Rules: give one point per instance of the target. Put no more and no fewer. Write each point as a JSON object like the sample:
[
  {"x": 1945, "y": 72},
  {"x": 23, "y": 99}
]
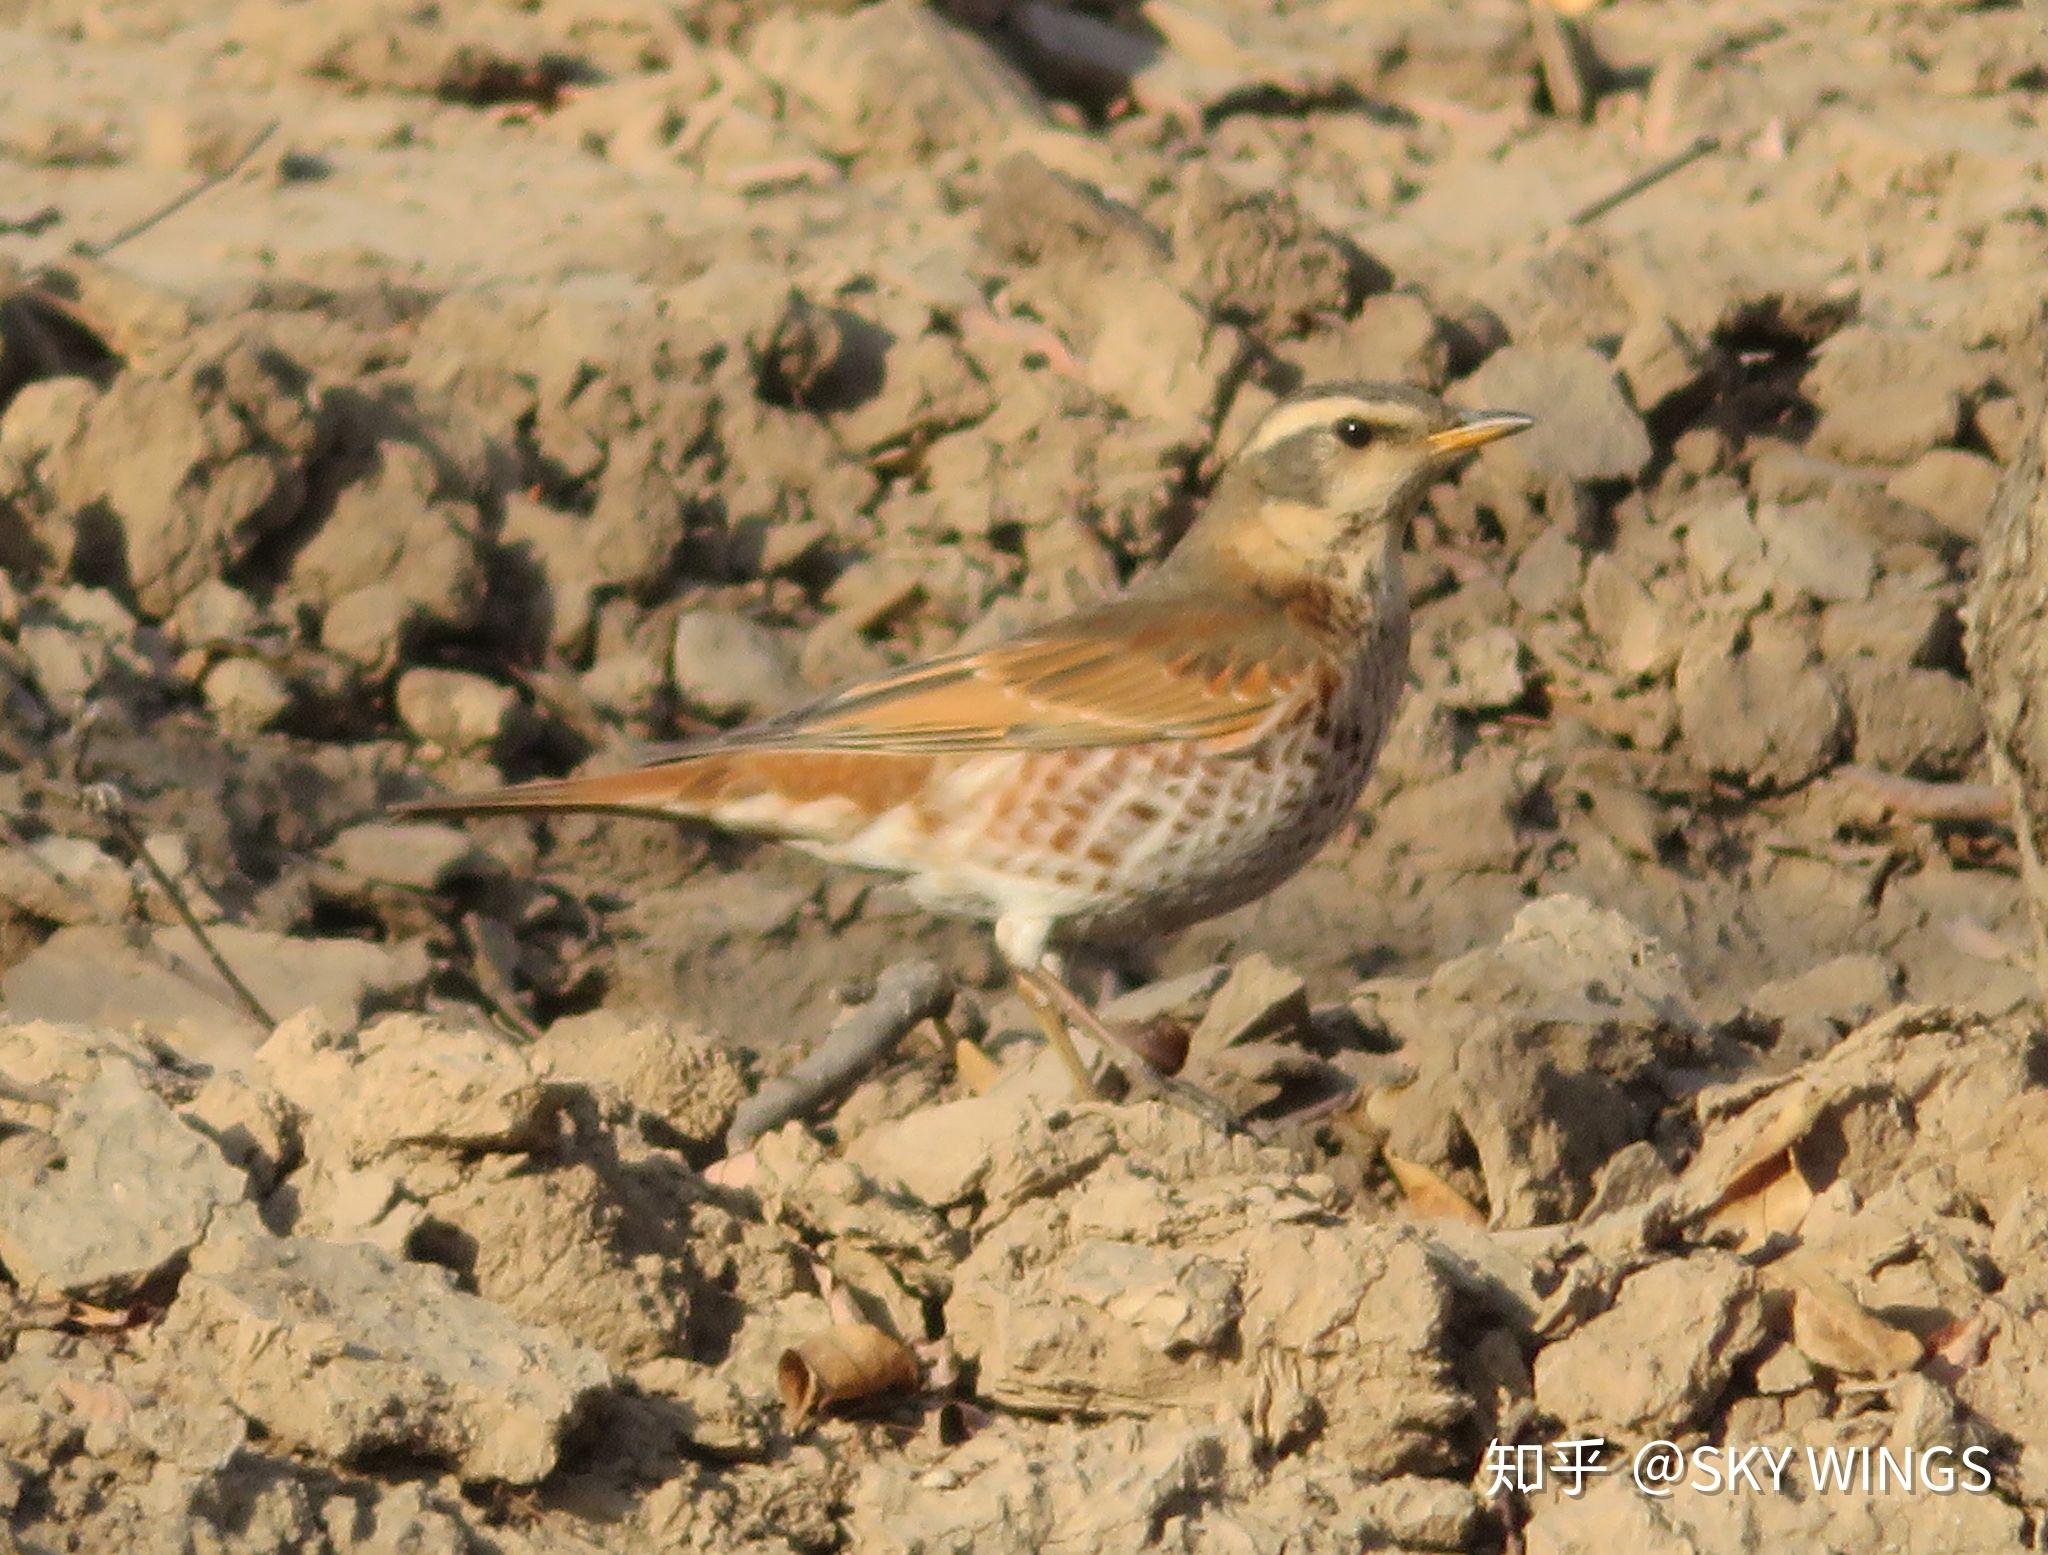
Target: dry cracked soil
[{"x": 401, "y": 397}]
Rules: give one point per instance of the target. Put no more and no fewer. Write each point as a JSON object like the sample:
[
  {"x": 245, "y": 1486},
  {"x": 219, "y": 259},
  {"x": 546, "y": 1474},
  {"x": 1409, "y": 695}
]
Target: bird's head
[{"x": 1329, "y": 477}]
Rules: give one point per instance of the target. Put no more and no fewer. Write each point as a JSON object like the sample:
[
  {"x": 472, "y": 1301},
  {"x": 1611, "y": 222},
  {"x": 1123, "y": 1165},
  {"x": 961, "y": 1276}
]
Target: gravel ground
[{"x": 529, "y": 380}]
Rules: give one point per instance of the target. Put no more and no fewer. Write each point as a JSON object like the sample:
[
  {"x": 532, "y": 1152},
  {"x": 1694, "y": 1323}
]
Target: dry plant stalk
[{"x": 845, "y": 1364}]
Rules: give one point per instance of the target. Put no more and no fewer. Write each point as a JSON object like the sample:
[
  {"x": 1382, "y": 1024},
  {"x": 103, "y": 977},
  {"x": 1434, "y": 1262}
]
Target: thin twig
[
  {"x": 909, "y": 992},
  {"x": 105, "y": 800},
  {"x": 1678, "y": 161},
  {"x": 1923, "y": 801},
  {"x": 1309, "y": 1112},
  {"x": 170, "y": 208},
  {"x": 492, "y": 954}
]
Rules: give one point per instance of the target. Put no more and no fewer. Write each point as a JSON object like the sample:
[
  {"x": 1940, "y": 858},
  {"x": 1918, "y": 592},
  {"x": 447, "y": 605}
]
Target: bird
[{"x": 1134, "y": 767}]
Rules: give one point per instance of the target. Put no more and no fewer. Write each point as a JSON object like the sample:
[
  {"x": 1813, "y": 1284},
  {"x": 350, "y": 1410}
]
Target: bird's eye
[{"x": 1351, "y": 432}]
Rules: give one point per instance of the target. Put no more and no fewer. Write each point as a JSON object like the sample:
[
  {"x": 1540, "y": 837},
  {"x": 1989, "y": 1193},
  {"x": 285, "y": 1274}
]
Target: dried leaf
[
  {"x": 1775, "y": 1207},
  {"x": 977, "y": 1071},
  {"x": 70, "y": 1315},
  {"x": 850, "y": 1362},
  {"x": 1428, "y": 1196},
  {"x": 83, "y": 1314},
  {"x": 1959, "y": 1347},
  {"x": 1833, "y": 1329}
]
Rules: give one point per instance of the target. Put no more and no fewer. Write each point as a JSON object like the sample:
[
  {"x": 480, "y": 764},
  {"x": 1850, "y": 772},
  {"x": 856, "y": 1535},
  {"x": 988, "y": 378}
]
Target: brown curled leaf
[
  {"x": 845, "y": 1364},
  {"x": 1774, "y": 1207},
  {"x": 1962, "y": 1345},
  {"x": 1428, "y": 1196}
]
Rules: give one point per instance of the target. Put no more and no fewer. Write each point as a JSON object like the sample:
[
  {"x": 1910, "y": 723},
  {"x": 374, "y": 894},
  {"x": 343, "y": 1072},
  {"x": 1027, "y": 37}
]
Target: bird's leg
[
  {"x": 1025, "y": 942},
  {"x": 1058, "y": 1007},
  {"x": 1032, "y": 987}
]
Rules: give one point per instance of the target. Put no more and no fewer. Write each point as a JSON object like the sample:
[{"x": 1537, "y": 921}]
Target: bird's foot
[{"x": 1060, "y": 1011}]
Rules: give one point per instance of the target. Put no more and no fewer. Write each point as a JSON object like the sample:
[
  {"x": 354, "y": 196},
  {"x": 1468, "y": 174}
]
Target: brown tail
[
  {"x": 665, "y": 791},
  {"x": 811, "y": 795}
]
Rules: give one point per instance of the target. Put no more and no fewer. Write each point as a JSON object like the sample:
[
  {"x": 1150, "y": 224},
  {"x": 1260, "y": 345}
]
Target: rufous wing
[{"x": 1132, "y": 672}]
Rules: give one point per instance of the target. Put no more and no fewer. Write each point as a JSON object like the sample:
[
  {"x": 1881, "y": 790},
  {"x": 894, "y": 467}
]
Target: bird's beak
[{"x": 1476, "y": 427}]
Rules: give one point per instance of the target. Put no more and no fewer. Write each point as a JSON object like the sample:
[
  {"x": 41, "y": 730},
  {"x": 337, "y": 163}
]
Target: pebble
[
  {"x": 246, "y": 695},
  {"x": 1953, "y": 485},
  {"x": 1764, "y": 712},
  {"x": 454, "y": 709},
  {"x": 732, "y": 667},
  {"x": 418, "y": 855}
]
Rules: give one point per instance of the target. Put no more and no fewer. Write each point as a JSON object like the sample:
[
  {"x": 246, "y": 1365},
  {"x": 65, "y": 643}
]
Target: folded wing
[{"x": 1131, "y": 672}]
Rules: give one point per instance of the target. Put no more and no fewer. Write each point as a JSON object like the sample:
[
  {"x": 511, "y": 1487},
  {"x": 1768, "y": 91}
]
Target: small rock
[
  {"x": 943, "y": 1154},
  {"x": 1423, "y": 1514},
  {"x": 1657, "y": 1360},
  {"x": 1952, "y": 484},
  {"x": 1764, "y": 712},
  {"x": 1724, "y": 551},
  {"x": 732, "y": 667},
  {"x": 1886, "y": 397},
  {"x": 626, "y": 684},
  {"x": 1123, "y": 1299},
  {"x": 894, "y": 80},
  {"x": 1395, "y": 338},
  {"x": 871, "y": 593},
  {"x": 349, "y": 1353},
  {"x": 688, "y": 1080},
  {"x": 1489, "y": 671},
  {"x": 408, "y": 1081},
  {"x": 368, "y": 626},
  {"x": 190, "y": 457},
  {"x": 1897, "y": 626},
  {"x": 2003, "y": 422},
  {"x": 419, "y": 855},
  {"x": 256, "y": 1129},
  {"x": 1914, "y": 722},
  {"x": 65, "y": 880},
  {"x": 1585, "y": 429},
  {"x": 246, "y": 695},
  {"x": 1259, "y": 1000},
  {"x": 90, "y": 975},
  {"x": 455, "y": 710},
  {"x": 639, "y": 519},
  {"x": 134, "y": 1191},
  {"x": 571, "y": 1246},
  {"x": 1808, "y": 554},
  {"x": 1531, "y": 1053},
  {"x": 1547, "y": 574},
  {"x": 393, "y": 556},
  {"x": 214, "y": 614},
  {"x": 1257, "y": 257},
  {"x": 1658, "y": 361},
  {"x": 1643, "y": 638},
  {"x": 1846, "y": 992}
]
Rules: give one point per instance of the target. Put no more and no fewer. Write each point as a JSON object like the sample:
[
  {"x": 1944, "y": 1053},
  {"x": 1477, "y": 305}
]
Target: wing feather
[{"x": 1132, "y": 672}]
